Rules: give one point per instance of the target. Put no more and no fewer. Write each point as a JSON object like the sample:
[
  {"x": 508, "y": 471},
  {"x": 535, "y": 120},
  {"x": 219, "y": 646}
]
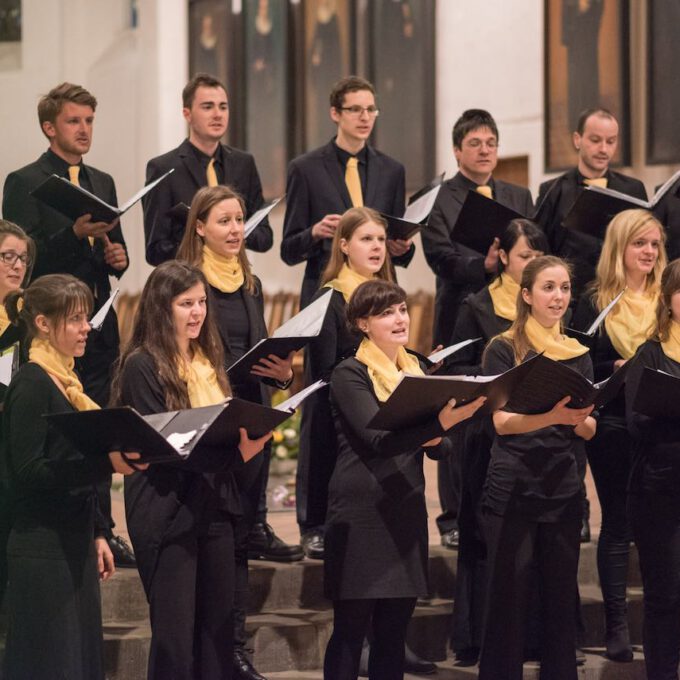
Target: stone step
[
  {"x": 297, "y": 637},
  {"x": 300, "y": 584},
  {"x": 595, "y": 668}
]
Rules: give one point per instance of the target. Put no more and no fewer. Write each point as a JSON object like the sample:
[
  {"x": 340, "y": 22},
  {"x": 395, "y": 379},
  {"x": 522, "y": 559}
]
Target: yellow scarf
[
  {"x": 223, "y": 273},
  {"x": 347, "y": 281},
  {"x": 504, "y": 291},
  {"x": 4, "y": 319},
  {"x": 201, "y": 380},
  {"x": 554, "y": 344},
  {"x": 383, "y": 373},
  {"x": 671, "y": 348},
  {"x": 629, "y": 324},
  {"x": 61, "y": 367}
]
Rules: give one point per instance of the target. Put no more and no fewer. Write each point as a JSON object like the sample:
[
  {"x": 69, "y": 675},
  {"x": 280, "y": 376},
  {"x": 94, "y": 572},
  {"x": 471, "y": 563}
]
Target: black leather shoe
[
  {"x": 123, "y": 557},
  {"x": 450, "y": 539},
  {"x": 243, "y": 668},
  {"x": 467, "y": 657},
  {"x": 264, "y": 544},
  {"x": 414, "y": 664},
  {"x": 312, "y": 544},
  {"x": 585, "y": 531}
]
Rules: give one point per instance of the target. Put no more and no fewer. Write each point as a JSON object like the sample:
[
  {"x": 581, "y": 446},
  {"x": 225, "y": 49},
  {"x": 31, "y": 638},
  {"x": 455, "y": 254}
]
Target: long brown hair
[
  {"x": 670, "y": 284},
  {"x": 516, "y": 334},
  {"x": 610, "y": 278},
  {"x": 154, "y": 333},
  {"x": 191, "y": 248},
  {"x": 350, "y": 221}
]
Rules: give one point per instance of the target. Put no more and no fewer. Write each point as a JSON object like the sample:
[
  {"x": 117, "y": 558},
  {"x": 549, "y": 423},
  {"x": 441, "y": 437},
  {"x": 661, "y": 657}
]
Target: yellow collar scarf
[
  {"x": 671, "y": 348},
  {"x": 223, "y": 273},
  {"x": 61, "y": 367},
  {"x": 4, "y": 319},
  {"x": 383, "y": 373},
  {"x": 346, "y": 282},
  {"x": 201, "y": 380},
  {"x": 631, "y": 321},
  {"x": 550, "y": 341},
  {"x": 504, "y": 291}
]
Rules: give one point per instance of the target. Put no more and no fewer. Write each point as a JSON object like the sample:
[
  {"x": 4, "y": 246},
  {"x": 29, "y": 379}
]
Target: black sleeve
[
  {"x": 602, "y": 351},
  {"x": 159, "y": 236},
  {"x": 397, "y": 210},
  {"x": 322, "y": 354},
  {"x": 353, "y": 397},
  {"x": 498, "y": 357},
  {"x": 28, "y": 399},
  {"x": 262, "y": 238},
  {"x": 466, "y": 361}
]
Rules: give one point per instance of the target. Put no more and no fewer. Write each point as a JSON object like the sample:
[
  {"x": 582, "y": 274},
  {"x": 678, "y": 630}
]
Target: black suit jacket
[
  {"x": 59, "y": 251},
  {"x": 459, "y": 270},
  {"x": 668, "y": 212},
  {"x": 316, "y": 188},
  {"x": 163, "y": 233},
  {"x": 555, "y": 198}
]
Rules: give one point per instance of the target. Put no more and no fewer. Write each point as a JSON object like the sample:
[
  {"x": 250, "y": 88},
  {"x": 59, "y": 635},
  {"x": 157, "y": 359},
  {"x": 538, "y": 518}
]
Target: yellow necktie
[
  {"x": 353, "y": 182},
  {"x": 596, "y": 182},
  {"x": 210, "y": 174},
  {"x": 73, "y": 173},
  {"x": 485, "y": 190}
]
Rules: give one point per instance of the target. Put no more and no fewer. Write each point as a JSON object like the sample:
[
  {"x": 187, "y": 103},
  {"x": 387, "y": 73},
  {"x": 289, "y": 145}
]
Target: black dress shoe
[
  {"x": 264, "y": 544},
  {"x": 123, "y": 557},
  {"x": 467, "y": 657},
  {"x": 312, "y": 544},
  {"x": 414, "y": 664},
  {"x": 450, "y": 539},
  {"x": 243, "y": 668},
  {"x": 585, "y": 531}
]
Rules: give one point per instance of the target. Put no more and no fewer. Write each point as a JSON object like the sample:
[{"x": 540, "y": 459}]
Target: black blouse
[{"x": 534, "y": 474}]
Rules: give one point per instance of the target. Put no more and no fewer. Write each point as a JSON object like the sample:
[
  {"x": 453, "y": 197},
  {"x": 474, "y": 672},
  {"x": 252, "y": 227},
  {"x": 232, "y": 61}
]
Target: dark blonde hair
[
  {"x": 8, "y": 228},
  {"x": 191, "y": 248},
  {"x": 670, "y": 284},
  {"x": 516, "y": 334},
  {"x": 154, "y": 333},
  {"x": 350, "y": 221},
  {"x": 610, "y": 278},
  {"x": 51, "y": 104},
  {"x": 55, "y": 296}
]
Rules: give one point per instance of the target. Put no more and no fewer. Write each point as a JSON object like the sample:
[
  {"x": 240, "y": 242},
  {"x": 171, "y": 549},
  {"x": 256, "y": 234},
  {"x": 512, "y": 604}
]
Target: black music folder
[
  {"x": 480, "y": 221},
  {"x": 418, "y": 211},
  {"x": 74, "y": 201},
  {"x": 658, "y": 395},
  {"x": 587, "y": 337},
  {"x": 595, "y": 207},
  {"x": 289, "y": 337},
  {"x": 534, "y": 386},
  {"x": 203, "y": 434}
]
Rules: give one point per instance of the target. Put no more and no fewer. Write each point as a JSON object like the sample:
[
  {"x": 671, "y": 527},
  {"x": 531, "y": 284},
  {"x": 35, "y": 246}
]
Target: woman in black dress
[
  {"x": 633, "y": 257},
  {"x": 181, "y": 518},
  {"x": 532, "y": 495},
  {"x": 376, "y": 527},
  {"x": 56, "y": 553},
  {"x": 358, "y": 254},
  {"x": 654, "y": 502},
  {"x": 17, "y": 253},
  {"x": 482, "y": 315},
  {"x": 214, "y": 242}
]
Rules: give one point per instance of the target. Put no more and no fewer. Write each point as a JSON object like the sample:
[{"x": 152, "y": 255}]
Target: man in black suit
[
  {"x": 595, "y": 139},
  {"x": 317, "y": 192},
  {"x": 90, "y": 251},
  {"x": 198, "y": 161},
  {"x": 460, "y": 270}
]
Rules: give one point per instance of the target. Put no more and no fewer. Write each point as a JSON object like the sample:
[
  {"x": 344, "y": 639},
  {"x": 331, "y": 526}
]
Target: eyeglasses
[
  {"x": 356, "y": 111},
  {"x": 9, "y": 257},
  {"x": 478, "y": 143}
]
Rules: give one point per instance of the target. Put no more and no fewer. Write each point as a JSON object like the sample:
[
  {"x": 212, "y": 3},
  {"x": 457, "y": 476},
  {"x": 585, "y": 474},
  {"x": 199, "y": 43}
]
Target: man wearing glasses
[{"x": 347, "y": 172}]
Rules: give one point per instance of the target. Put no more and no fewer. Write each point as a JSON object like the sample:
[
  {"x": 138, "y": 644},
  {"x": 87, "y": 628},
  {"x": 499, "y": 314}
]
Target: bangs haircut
[{"x": 372, "y": 298}]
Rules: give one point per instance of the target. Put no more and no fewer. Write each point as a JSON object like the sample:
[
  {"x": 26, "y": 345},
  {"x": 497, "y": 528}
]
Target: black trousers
[
  {"x": 5, "y": 528},
  {"x": 656, "y": 525},
  {"x": 517, "y": 548},
  {"x": 191, "y": 600},
  {"x": 449, "y": 487},
  {"x": 251, "y": 480},
  {"x": 387, "y": 619},
  {"x": 609, "y": 454}
]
